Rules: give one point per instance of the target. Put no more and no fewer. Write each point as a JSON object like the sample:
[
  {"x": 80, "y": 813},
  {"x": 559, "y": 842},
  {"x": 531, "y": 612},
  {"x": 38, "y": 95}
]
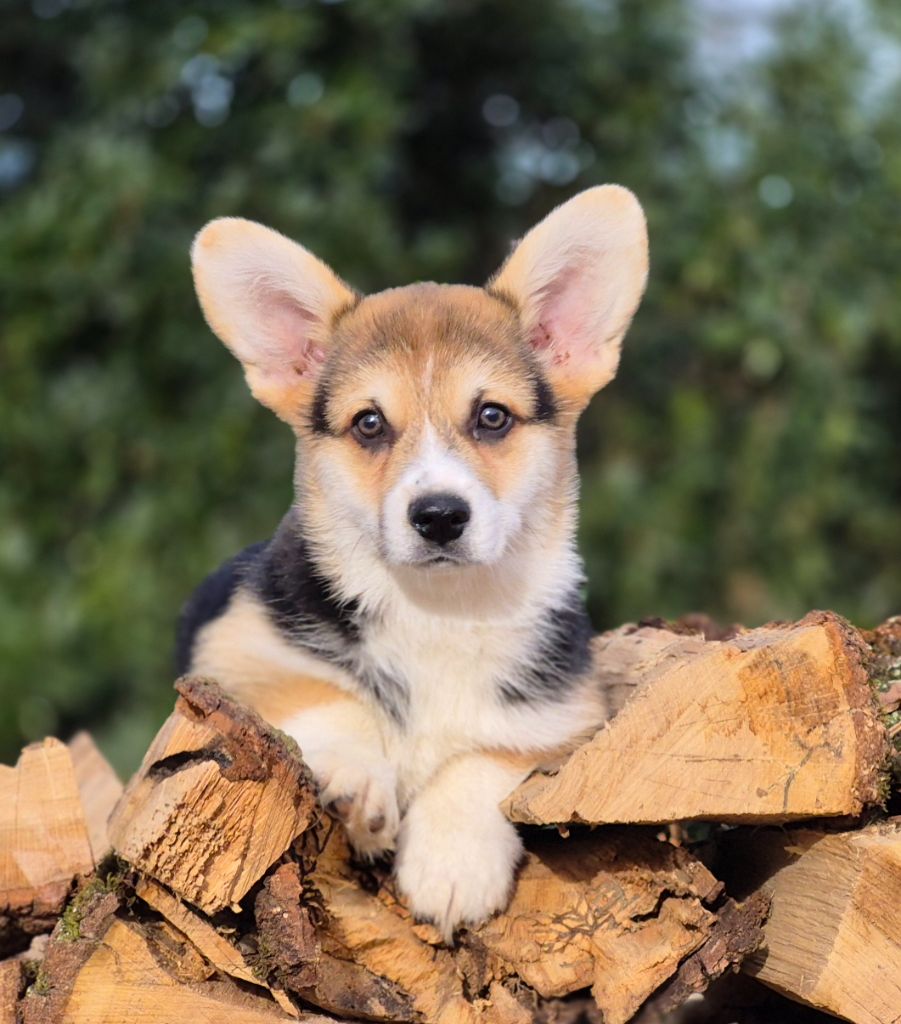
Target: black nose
[{"x": 439, "y": 518}]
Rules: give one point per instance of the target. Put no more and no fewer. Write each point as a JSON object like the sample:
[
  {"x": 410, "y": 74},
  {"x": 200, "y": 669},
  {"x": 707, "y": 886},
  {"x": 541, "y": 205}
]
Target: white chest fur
[{"x": 450, "y": 671}]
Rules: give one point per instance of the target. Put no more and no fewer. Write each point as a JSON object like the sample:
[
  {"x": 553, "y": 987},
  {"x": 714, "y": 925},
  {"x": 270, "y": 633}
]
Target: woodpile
[{"x": 722, "y": 850}]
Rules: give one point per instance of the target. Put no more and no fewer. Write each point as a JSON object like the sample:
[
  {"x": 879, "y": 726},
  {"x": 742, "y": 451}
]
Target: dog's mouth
[{"x": 443, "y": 560}]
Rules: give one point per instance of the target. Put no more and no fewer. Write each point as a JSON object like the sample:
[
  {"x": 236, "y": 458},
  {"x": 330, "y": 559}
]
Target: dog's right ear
[{"x": 272, "y": 302}]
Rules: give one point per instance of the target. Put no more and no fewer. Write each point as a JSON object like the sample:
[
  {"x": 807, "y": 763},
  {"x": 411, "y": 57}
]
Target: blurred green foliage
[{"x": 745, "y": 462}]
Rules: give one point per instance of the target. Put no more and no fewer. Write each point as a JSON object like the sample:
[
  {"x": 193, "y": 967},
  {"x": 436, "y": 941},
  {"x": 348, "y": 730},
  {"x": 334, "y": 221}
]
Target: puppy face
[
  {"x": 433, "y": 426},
  {"x": 434, "y": 422}
]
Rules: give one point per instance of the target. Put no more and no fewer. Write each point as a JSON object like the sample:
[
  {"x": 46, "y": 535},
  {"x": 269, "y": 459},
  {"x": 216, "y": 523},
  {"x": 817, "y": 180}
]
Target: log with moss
[{"x": 231, "y": 894}]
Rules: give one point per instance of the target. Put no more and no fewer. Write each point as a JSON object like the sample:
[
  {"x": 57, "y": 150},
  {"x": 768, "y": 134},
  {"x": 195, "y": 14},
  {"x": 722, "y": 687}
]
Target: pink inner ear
[
  {"x": 288, "y": 328},
  {"x": 563, "y": 329}
]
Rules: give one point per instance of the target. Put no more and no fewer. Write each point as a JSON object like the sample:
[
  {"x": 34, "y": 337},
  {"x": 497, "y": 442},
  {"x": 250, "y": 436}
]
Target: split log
[
  {"x": 221, "y": 953},
  {"x": 44, "y": 841},
  {"x": 217, "y": 800},
  {"x": 119, "y": 970},
  {"x": 242, "y": 901},
  {"x": 54, "y": 805},
  {"x": 99, "y": 787},
  {"x": 833, "y": 939},
  {"x": 738, "y": 999},
  {"x": 217, "y": 949},
  {"x": 771, "y": 725},
  {"x": 616, "y": 911},
  {"x": 738, "y": 932}
]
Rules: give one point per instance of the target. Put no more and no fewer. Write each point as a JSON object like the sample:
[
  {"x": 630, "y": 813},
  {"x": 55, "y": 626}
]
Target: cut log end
[{"x": 833, "y": 939}]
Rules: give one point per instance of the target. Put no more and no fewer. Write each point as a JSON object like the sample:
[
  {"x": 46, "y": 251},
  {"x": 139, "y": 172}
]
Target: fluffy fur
[{"x": 422, "y": 679}]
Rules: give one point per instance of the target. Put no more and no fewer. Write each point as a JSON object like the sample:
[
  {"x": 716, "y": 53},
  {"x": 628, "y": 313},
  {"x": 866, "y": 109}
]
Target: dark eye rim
[
  {"x": 485, "y": 433},
  {"x": 370, "y": 439}
]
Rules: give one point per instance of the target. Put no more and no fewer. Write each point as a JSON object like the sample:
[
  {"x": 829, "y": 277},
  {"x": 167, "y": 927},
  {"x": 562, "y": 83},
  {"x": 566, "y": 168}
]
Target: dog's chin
[{"x": 448, "y": 583}]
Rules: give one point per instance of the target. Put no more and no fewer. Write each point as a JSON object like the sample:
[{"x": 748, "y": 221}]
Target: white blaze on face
[{"x": 434, "y": 469}]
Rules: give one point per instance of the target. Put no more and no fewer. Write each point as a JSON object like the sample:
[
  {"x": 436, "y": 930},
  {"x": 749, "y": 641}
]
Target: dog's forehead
[{"x": 420, "y": 321}]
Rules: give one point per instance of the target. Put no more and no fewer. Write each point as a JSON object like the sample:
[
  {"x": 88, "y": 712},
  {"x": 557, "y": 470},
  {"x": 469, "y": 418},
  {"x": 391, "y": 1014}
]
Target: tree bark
[{"x": 217, "y": 799}]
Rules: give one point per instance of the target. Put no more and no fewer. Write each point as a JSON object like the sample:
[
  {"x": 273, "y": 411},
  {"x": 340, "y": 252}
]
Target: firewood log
[
  {"x": 217, "y": 799},
  {"x": 116, "y": 969},
  {"x": 11, "y": 984},
  {"x": 772, "y": 725},
  {"x": 237, "y": 899},
  {"x": 833, "y": 938},
  {"x": 99, "y": 788},
  {"x": 44, "y": 841}
]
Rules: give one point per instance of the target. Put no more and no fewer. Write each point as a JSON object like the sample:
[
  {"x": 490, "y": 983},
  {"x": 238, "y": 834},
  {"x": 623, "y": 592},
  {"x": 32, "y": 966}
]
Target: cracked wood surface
[
  {"x": 833, "y": 938},
  {"x": 217, "y": 799},
  {"x": 773, "y": 724},
  {"x": 11, "y": 983},
  {"x": 615, "y": 912},
  {"x": 44, "y": 841},
  {"x": 249, "y": 907},
  {"x": 220, "y": 952}
]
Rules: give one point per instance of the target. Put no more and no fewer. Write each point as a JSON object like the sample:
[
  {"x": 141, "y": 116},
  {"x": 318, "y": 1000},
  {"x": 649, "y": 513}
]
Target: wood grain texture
[
  {"x": 241, "y": 901},
  {"x": 774, "y": 724},
  {"x": 44, "y": 842},
  {"x": 833, "y": 938},
  {"x": 142, "y": 975},
  {"x": 218, "y": 798},
  {"x": 615, "y": 912},
  {"x": 217, "y": 949},
  {"x": 99, "y": 787},
  {"x": 128, "y": 967}
]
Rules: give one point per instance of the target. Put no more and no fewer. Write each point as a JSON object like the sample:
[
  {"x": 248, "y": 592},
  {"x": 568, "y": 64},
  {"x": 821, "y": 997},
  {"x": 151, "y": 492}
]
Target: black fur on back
[
  {"x": 281, "y": 574},
  {"x": 209, "y": 601},
  {"x": 297, "y": 594}
]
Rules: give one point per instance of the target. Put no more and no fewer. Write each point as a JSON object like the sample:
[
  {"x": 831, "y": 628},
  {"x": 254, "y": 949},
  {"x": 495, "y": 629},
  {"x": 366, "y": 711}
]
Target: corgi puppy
[{"x": 416, "y": 622}]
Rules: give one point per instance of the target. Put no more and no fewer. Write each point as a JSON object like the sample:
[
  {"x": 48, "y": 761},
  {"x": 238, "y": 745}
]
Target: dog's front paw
[
  {"x": 363, "y": 795},
  {"x": 456, "y": 872}
]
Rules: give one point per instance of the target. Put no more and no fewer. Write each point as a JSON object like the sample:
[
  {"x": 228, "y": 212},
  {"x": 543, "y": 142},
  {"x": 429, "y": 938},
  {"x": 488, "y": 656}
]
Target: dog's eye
[
  {"x": 368, "y": 425},
  {"x": 493, "y": 420}
]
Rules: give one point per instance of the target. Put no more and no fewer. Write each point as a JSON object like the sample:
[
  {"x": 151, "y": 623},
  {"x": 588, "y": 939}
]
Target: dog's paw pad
[{"x": 363, "y": 797}]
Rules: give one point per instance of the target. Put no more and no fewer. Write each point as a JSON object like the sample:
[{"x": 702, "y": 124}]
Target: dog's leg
[
  {"x": 457, "y": 853},
  {"x": 339, "y": 737},
  {"x": 341, "y": 742}
]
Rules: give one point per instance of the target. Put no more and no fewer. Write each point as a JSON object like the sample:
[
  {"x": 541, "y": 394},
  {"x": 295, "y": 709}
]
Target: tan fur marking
[{"x": 241, "y": 651}]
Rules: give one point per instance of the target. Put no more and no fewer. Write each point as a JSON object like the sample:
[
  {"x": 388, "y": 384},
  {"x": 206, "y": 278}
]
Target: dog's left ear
[{"x": 577, "y": 279}]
